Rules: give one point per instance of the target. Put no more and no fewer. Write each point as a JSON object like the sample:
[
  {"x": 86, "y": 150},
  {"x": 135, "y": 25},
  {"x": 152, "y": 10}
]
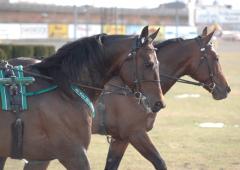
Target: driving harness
[
  {"x": 13, "y": 87},
  {"x": 14, "y": 99}
]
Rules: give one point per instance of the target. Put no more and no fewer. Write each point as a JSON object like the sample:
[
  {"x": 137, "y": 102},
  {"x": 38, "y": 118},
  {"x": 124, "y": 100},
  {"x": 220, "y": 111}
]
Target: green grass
[{"x": 176, "y": 134}]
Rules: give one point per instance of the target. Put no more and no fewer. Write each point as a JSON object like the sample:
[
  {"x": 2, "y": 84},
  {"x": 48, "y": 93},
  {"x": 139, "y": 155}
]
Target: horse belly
[{"x": 37, "y": 146}]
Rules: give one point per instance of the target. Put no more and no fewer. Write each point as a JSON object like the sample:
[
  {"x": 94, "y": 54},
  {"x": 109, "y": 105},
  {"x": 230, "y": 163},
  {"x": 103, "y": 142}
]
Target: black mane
[
  {"x": 160, "y": 45},
  {"x": 81, "y": 60}
]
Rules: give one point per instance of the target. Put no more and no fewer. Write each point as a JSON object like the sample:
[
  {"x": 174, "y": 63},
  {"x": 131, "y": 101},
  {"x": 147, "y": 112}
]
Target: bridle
[
  {"x": 211, "y": 85},
  {"x": 137, "y": 81}
]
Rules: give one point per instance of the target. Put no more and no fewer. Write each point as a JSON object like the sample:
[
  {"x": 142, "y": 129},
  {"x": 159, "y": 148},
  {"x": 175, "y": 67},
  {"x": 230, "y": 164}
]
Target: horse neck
[
  {"x": 93, "y": 63},
  {"x": 174, "y": 62},
  {"x": 115, "y": 54},
  {"x": 114, "y": 83}
]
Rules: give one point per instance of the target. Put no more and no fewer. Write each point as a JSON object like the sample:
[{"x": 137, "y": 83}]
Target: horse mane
[
  {"x": 165, "y": 43},
  {"x": 76, "y": 61}
]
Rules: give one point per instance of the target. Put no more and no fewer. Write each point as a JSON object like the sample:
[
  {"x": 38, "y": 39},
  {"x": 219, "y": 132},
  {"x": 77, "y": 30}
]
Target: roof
[{"x": 26, "y": 7}]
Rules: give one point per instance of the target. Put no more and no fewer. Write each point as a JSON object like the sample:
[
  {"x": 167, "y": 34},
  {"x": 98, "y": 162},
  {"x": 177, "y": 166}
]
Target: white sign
[
  {"x": 34, "y": 31},
  {"x": 183, "y": 32},
  {"x": 217, "y": 15},
  {"x": 83, "y": 30},
  {"x": 9, "y": 31}
]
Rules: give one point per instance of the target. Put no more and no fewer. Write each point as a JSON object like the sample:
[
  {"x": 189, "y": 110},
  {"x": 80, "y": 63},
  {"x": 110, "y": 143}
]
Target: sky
[
  {"x": 102, "y": 3},
  {"x": 124, "y": 3}
]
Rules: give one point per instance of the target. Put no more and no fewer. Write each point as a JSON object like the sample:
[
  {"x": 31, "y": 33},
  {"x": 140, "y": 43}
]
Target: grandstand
[{"x": 31, "y": 22}]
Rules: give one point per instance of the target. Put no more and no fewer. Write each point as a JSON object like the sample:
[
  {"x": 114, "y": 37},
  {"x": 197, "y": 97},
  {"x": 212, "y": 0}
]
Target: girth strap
[{"x": 102, "y": 115}]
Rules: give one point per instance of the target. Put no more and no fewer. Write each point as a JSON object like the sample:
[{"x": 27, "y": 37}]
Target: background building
[{"x": 31, "y": 21}]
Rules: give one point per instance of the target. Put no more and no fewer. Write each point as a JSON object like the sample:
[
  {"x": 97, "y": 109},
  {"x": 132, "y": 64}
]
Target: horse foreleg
[
  {"x": 115, "y": 153},
  {"x": 77, "y": 161},
  {"x": 36, "y": 165},
  {"x": 141, "y": 141},
  {"x": 2, "y": 162}
]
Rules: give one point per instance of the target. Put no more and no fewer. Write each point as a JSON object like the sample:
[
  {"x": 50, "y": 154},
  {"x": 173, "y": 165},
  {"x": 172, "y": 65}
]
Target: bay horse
[
  {"x": 57, "y": 124},
  {"x": 130, "y": 124}
]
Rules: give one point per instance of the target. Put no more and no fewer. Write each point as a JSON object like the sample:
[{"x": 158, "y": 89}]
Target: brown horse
[
  {"x": 129, "y": 124},
  {"x": 58, "y": 123},
  {"x": 193, "y": 57}
]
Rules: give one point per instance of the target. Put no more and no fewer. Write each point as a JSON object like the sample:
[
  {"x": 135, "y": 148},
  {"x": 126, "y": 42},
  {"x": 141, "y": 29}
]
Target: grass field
[{"x": 176, "y": 134}]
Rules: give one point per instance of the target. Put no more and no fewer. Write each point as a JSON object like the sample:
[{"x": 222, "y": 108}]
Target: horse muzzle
[{"x": 220, "y": 93}]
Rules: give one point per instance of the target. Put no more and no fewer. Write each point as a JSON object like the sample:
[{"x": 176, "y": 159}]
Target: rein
[
  {"x": 137, "y": 82},
  {"x": 180, "y": 80},
  {"x": 77, "y": 84}
]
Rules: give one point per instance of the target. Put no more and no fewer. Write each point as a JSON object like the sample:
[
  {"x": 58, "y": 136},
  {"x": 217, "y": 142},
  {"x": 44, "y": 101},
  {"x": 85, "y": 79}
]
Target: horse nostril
[
  {"x": 159, "y": 105},
  {"x": 228, "y": 89}
]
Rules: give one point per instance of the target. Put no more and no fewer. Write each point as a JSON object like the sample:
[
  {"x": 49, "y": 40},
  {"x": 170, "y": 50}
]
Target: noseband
[{"x": 204, "y": 57}]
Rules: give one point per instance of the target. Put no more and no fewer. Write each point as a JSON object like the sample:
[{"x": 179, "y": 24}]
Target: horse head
[
  {"x": 206, "y": 67},
  {"x": 143, "y": 66}
]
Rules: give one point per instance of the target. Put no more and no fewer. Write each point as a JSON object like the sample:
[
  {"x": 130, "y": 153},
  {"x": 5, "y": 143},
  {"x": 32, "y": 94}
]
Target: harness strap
[
  {"x": 102, "y": 115},
  {"x": 3, "y": 93},
  {"x": 85, "y": 98},
  {"x": 34, "y": 93},
  {"x": 76, "y": 89},
  {"x": 22, "y": 87}
]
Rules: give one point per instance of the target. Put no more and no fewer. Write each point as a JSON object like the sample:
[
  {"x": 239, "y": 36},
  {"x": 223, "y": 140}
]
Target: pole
[
  {"x": 177, "y": 19},
  {"x": 87, "y": 21},
  {"x": 75, "y": 21},
  {"x": 116, "y": 24},
  {"x": 191, "y": 13}
]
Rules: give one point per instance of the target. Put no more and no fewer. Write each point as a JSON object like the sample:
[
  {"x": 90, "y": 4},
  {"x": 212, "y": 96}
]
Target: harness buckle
[
  {"x": 110, "y": 139},
  {"x": 138, "y": 95},
  {"x": 212, "y": 86}
]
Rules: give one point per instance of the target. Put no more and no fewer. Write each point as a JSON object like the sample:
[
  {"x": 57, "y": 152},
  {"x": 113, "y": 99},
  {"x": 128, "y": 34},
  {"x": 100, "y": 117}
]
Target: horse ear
[
  {"x": 208, "y": 37},
  {"x": 153, "y": 36},
  {"x": 144, "y": 34},
  {"x": 204, "y": 32}
]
